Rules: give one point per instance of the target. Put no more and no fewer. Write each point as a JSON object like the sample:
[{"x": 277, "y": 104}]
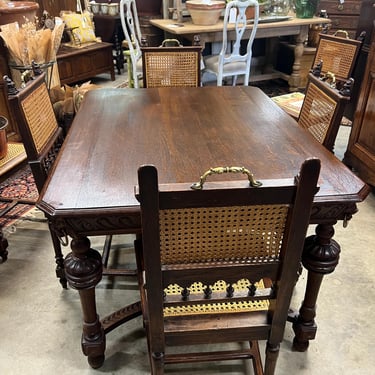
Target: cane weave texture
[
  {"x": 338, "y": 57},
  {"x": 172, "y": 68},
  {"x": 40, "y": 116},
  {"x": 15, "y": 150},
  {"x": 236, "y": 233},
  {"x": 317, "y": 112},
  {"x": 216, "y": 307}
]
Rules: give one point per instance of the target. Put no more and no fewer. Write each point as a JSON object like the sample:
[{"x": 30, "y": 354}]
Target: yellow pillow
[{"x": 81, "y": 25}]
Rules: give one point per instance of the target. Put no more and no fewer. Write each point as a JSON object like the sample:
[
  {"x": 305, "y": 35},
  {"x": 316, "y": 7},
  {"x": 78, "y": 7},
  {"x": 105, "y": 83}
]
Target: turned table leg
[
  {"x": 320, "y": 257},
  {"x": 295, "y": 77},
  {"x": 83, "y": 269}
]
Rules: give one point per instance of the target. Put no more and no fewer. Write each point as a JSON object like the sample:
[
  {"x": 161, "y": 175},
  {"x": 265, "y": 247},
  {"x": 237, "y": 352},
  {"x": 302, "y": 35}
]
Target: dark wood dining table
[{"x": 183, "y": 132}]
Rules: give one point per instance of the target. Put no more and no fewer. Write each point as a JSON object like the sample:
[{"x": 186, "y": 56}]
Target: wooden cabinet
[
  {"x": 78, "y": 64},
  {"x": 360, "y": 154},
  {"x": 343, "y": 14}
]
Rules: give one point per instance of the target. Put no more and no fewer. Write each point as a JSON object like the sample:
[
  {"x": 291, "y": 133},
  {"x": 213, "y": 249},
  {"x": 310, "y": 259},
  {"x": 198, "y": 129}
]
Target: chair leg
[
  {"x": 157, "y": 363},
  {"x": 106, "y": 249},
  {"x": 272, "y": 352},
  {"x": 59, "y": 258},
  {"x": 256, "y": 359},
  {"x": 3, "y": 247}
]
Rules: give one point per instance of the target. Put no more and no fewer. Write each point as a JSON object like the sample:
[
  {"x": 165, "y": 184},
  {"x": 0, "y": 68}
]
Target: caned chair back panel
[
  {"x": 219, "y": 264},
  {"x": 235, "y": 233},
  {"x": 171, "y": 67},
  {"x": 337, "y": 54},
  {"x": 40, "y": 117},
  {"x": 36, "y": 120},
  {"x": 321, "y": 111}
]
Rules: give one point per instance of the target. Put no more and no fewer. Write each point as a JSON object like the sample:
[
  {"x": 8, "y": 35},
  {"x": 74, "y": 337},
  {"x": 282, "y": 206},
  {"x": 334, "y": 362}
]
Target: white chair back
[
  {"x": 230, "y": 62},
  {"x": 133, "y": 36}
]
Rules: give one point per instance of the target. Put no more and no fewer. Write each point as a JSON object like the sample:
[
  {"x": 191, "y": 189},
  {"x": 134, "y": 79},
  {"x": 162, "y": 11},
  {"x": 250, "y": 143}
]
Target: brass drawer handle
[
  {"x": 221, "y": 170},
  {"x": 340, "y": 7}
]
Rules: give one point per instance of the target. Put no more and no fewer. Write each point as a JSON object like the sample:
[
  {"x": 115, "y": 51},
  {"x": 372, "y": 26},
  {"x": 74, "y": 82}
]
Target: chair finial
[
  {"x": 37, "y": 71},
  {"x": 11, "y": 86},
  {"x": 347, "y": 88},
  {"x": 317, "y": 69}
]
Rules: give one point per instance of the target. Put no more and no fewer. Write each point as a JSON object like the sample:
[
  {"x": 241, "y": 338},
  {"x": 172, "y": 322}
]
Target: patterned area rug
[{"x": 20, "y": 188}]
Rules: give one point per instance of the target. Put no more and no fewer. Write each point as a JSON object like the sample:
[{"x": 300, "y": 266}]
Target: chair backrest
[
  {"x": 322, "y": 110},
  {"x": 133, "y": 35},
  {"x": 219, "y": 259},
  {"x": 231, "y": 52},
  {"x": 171, "y": 66},
  {"x": 338, "y": 55},
  {"x": 36, "y": 120}
]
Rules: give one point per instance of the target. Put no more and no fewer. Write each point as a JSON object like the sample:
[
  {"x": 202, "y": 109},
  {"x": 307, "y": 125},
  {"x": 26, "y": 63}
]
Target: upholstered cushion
[
  {"x": 212, "y": 64},
  {"x": 81, "y": 25}
]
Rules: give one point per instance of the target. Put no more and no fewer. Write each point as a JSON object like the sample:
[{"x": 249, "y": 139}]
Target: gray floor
[{"x": 40, "y": 324}]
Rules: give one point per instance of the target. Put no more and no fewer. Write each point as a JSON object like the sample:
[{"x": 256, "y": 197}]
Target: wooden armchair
[
  {"x": 219, "y": 264},
  {"x": 171, "y": 66}
]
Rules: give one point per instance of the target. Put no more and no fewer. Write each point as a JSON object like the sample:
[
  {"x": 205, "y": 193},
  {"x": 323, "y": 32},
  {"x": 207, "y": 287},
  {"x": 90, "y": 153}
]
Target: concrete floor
[{"x": 40, "y": 323}]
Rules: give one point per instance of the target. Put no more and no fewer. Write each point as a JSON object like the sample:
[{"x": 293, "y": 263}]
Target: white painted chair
[
  {"x": 133, "y": 38},
  {"x": 230, "y": 63}
]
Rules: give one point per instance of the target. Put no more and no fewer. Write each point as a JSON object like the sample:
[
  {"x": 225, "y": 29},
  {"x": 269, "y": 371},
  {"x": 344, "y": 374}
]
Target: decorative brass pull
[
  {"x": 342, "y": 34},
  {"x": 221, "y": 170},
  {"x": 170, "y": 43}
]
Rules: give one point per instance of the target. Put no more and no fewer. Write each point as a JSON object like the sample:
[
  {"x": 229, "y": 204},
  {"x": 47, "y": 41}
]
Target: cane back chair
[
  {"x": 177, "y": 66},
  {"x": 231, "y": 62},
  {"x": 338, "y": 55},
  {"x": 43, "y": 138},
  {"x": 334, "y": 59},
  {"x": 218, "y": 265},
  {"x": 322, "y": 110}
]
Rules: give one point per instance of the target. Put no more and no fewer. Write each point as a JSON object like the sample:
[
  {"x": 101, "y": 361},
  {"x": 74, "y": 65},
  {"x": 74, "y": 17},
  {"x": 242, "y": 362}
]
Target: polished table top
[{"x": 183, "y": 132}]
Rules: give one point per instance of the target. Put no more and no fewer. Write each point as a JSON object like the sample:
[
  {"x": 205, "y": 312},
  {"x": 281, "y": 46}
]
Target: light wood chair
[
  {"x": 177, "y": 66},
  {"x": 230, "y": 62},
  {"x": 322, "y": 110},
  {"x": 43, "y": 139},
  {"x": 133, "y": 40},
  {"x": 219, "y": 264}
]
